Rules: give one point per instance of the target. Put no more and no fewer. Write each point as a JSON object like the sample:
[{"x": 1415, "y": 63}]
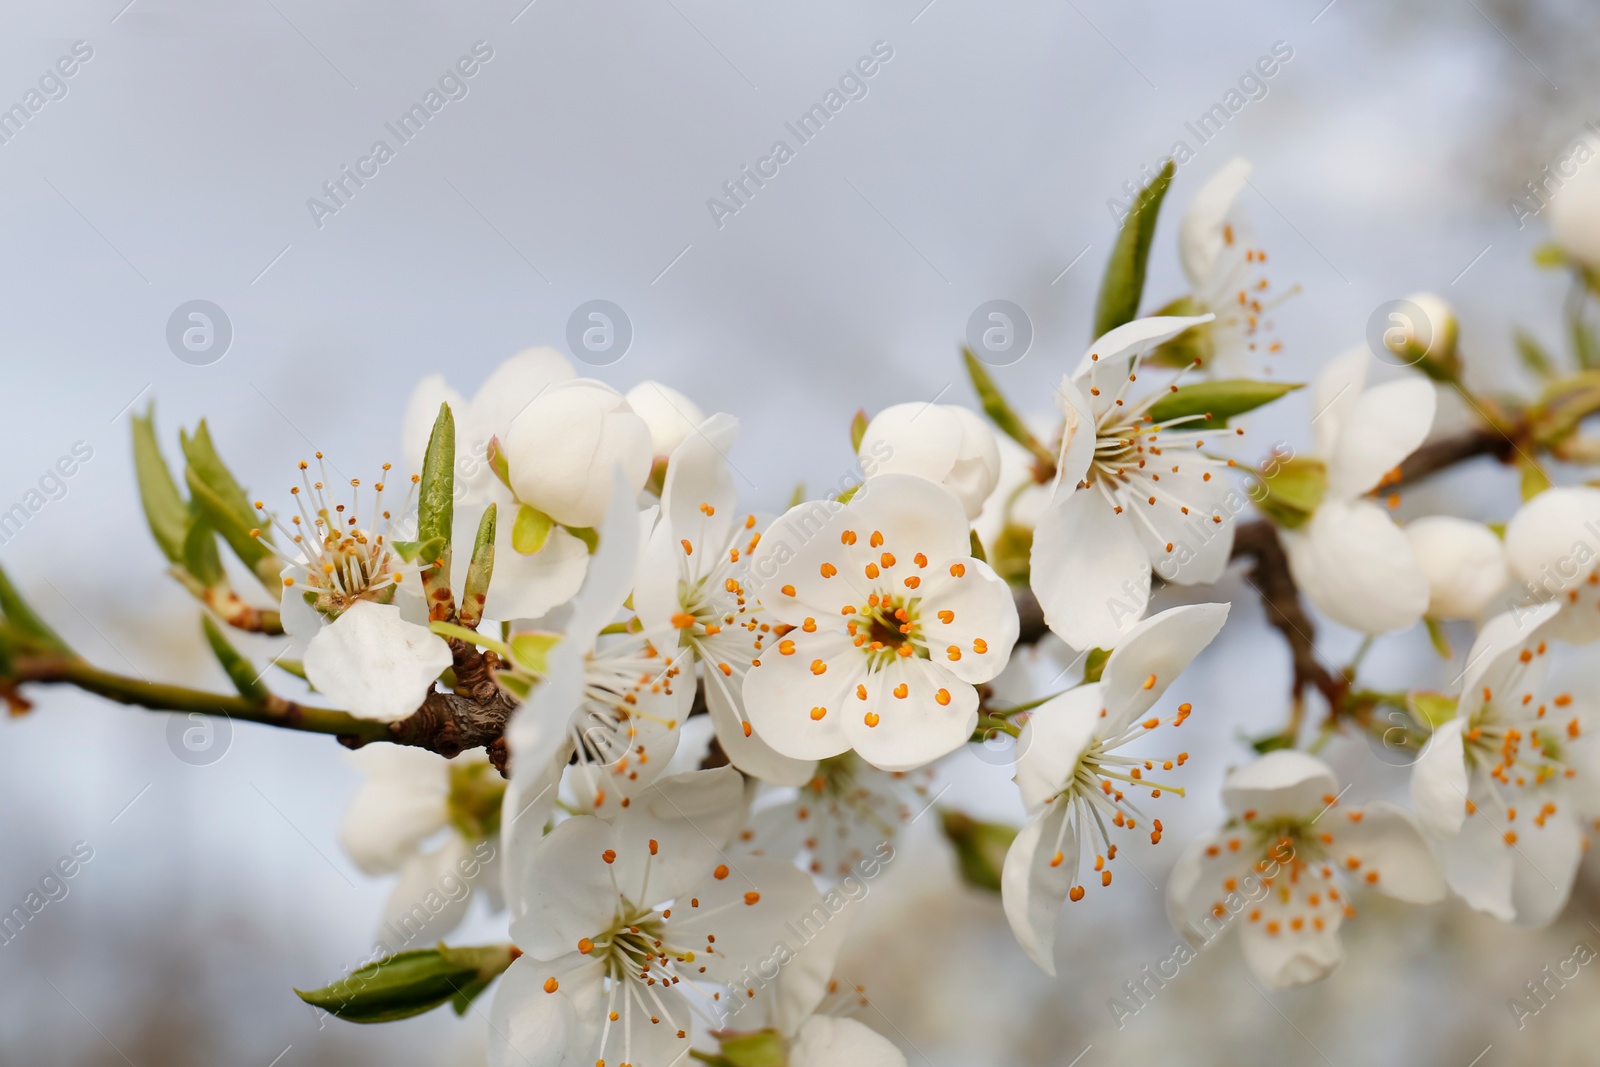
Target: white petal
[
  {"x": 549, "y": 915},
  {"x": 561, "y": 445},
  {"x": 1386, "y": 841},
  {"x": 1199, "y": 885},
  {"x": 1285, "y": 783},
  {"x": 1200, "y": 234},
  {"x": 1544, "y": 865},
  {"x": 1494, "y": 654},
  {"x": 612, "y": 567},
  {"x": 691, "y": 817},
  {"x": 401, "y": 803},
  {"x": 670, "y": 415},
  {"x": 781, "y": 694},
  {"x": 1031, "y": 890},
  {"x": 752, "y": 754},
  {"x": 1478, "y": 866},
  {"x": 1294, "y": 942},
  {"x": 375, "y": 664},
  {"x": 1089, "y": 571},
  {"x": 301, "y": 621},
  {"x": 919, "y": 439},
  {"x": 1053, "y": 740},
  {"x": 1108, "y": 359},
  {"x": 1077, "y": 437},
  {"x": 1384, "y": 426},
  {"x": 983, "y": 615},
  {"x": 913, "y": 515},
  {"x": 1574, "y": 215},
  {"x": 1465, "y": 564},
  {"x": 1439, "y": 781},
  {"x": 1357, "y": 567},
  {"x": 531, "y": 1028},
  {"x": 1337, "y": 389},
  {"x": 698, "y": 479},
  {"x": 902, "y": 733},
  {"x": 510, "y": 388},
  {"x": 829, "y": 1042},
  {"x": 528, "y": 587},
  {"x": 1553, "y": 540},
  {"x": 431, "y": 898},
  {"x": 1201, "y": 540},
  {"x": 1150, "y": 658}
]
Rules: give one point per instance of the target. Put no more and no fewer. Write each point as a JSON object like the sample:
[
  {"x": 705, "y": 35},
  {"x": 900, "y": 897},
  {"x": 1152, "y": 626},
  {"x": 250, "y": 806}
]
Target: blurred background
[{"x": 177, "y": 162}]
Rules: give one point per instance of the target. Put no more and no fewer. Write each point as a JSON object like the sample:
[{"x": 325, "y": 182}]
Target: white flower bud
[
  {"x": 1574, "y": 211},
  {"x": 942, "y": 443},
  {"x": 563, "y": 446},
  {"x": 670, "y": 415},
  {"x": 1437, "y": 337},
  {"x": 1465, "y": 564}
]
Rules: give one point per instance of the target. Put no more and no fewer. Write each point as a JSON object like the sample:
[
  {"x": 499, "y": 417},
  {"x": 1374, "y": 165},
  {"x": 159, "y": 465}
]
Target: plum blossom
[
  {"x": 693, "y": 584},
  {"x": 943, "y": 443},
  {"x": 1349, "y": 558},
  {"x": 887, "y": 626},
  {"x": 407, "y": 799},
  {"x": 1553, "y": 546},
  {"x": 1506, "y": 789},
  {"x": 1465, "y": 564},
  {"x": 1132, "y": 495},
  {"x": 670, "y": 416},
  {"x": 1283, "y": 865},
  {"x": 1074, "y": 782},
  {"x": 633, "y": 928}
]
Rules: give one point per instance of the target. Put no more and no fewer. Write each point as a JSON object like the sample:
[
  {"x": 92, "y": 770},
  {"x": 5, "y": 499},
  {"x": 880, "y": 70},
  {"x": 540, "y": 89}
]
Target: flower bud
[
  {"x": 942, "y": 443},
  {"x": 1430, "y": 345},
  {"x": 1554, "y": 540},
  {"x": 1574, "y": 213},
  {"x": 1465, "y": 564},
  {"x": 563, "y": 446},
  {"x": 670, "y": 415}
]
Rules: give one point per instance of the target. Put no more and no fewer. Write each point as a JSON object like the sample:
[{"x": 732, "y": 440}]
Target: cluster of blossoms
[{"x": 712, "y": 726}]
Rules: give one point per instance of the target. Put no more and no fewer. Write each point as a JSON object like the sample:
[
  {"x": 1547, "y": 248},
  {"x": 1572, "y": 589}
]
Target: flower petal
[
  {"x": 1283, "y": 783},
  {"x": 1465, "y": 564},
  {"x": 893, "y": 733},
  {"x": 1053, "y": 740},
  {"x": 1200, "y": 234},
  {"x": 1390, "y": 853},
  {"x": 1108, "y": 360},
  {"x": 690, "y": 817},
  {"x": 564, "y": 438},
  {"x": 781, "y": 695},
  {"x": 1209, "y": 887},
  {"x": 1478, "y": 866},
  {"x": 1150, "y": 658},
  {"x": 1031, "y": 890},
  {"x": 1336, "y": 391},
  {"x": 982, "y": 615},
  {"x": 1089, "y": 571},
  {"x": 1077, "y": 438},
  {"x": 1357, "y": 567},
  {"x": 752, "y": 754},
  {"x": 431, "y": 898},
  {"x": 401, "y": 803},
  {"x": 531, "y": 1028},
  {"x": 416, "y": 425},
  {"x": 1544, "y": 865},
  {"x": 374, "y": 663},
  {"x": 828, "y": 1042},
  {"x": 1293, "y": 941},
  {"x": 698, "y": 479},
  {"x": 1439, "y": 781},
  {"x": 1385, "y": 425},
  {"x": 671, "y": 416},
  {"x": 550, "y": 913}
]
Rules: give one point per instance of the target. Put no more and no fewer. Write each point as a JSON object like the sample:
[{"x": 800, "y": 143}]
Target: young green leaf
[
  {"x": 409, "y": 983},
  {"x": 1217, "y": 401},
  {"x": 436, "y": 494},
  {"x": 199, "y": 553},
  {"x": 21, "y": 617},
  {"x": 1122, "y": 287},
  {"x": 1533, "y": 355},
  {"x": 480, "y": 569},
  {"x": 1000, "y": 412},
  {"x": 241, "y": 672},
  {"x": 164, "y": 508}
]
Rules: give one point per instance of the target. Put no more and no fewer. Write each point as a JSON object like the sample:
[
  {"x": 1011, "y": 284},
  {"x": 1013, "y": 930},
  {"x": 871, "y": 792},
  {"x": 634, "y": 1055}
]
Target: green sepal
[
  {"x": 858, "y": 429},
  {"x": 436, "y": 492},
  {"x": 1549, "y": 256},
  {"x": 164, "y": 507},
  {"x": 19, "y": 616},
  {"x": 1293, "y": 491},
  {"x": 1095, "y": 665},
  {"x": 530, "y": 530},
  {"x": 587, "y": 534},
  {"x": 1122, "y": 286},
  {"x": 1194, "y": 346},
  {"x": 495, "y": 454},
  {"x": 426, "y": 552},
  {"x": 977, "y": 547},
  {"x": 849, "y": 494},
  {"x": 531, "y": 650},
  {"x": 1217, "y": 401},
  {"x": 1437, "y": 636},
  {"x": 755, "y": 1048},
  {"x": 1435, "y": 709},
  {"x": 980, "y": 847},
  {"x": 410, "y": 983},
  {"x": 1534, "y": 478},
  {"x": 241, "y": 672},
  {"x": 292, "y": 666},
  {"x": 1011, "y": 552},
  {"x": 999, "y": 409},
  {"x": 1271, "y": 743},
  {"x": 474, "y": 801}
]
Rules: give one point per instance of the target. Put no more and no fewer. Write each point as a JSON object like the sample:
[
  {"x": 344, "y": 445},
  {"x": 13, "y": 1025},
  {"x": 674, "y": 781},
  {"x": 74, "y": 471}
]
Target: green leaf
[
  {"x": 22, "y": 617},
  {"x": 1095, "y": 665},
  {"x": 757, "y": 1048},
  {"x": 412, "y": 551},
  {"x": 480, "y": 569},
  {"x": 858, "y": 429},
  {"x": 410, "y": 983},
  {"x": 531, "y": 650},
  {"x": 980, "y": 847},
  {"x": 292, "y": 666},
  {"x": 1271, "y": 743},
  {"x": 241, "y": 672},
  {"x": 530, "y": 530},
  {"x": 1122, "y": 286},
  {"x": 1533, "y": 355},
  {"x": 216, "y": 494},
  {"x": 1436, "y": 635},
  {"x": 200, "y": 556},
  {"x": 1217, "y": 401},
  {"x": 977, "y": 547},
  {"x": 436, "y": 494},
  {"x": 1194, "y": 346},
  {"x": 1000, "y": 412},
  {"x": 164, "y": 507},
  {"x": 1293, "y": 491}
]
